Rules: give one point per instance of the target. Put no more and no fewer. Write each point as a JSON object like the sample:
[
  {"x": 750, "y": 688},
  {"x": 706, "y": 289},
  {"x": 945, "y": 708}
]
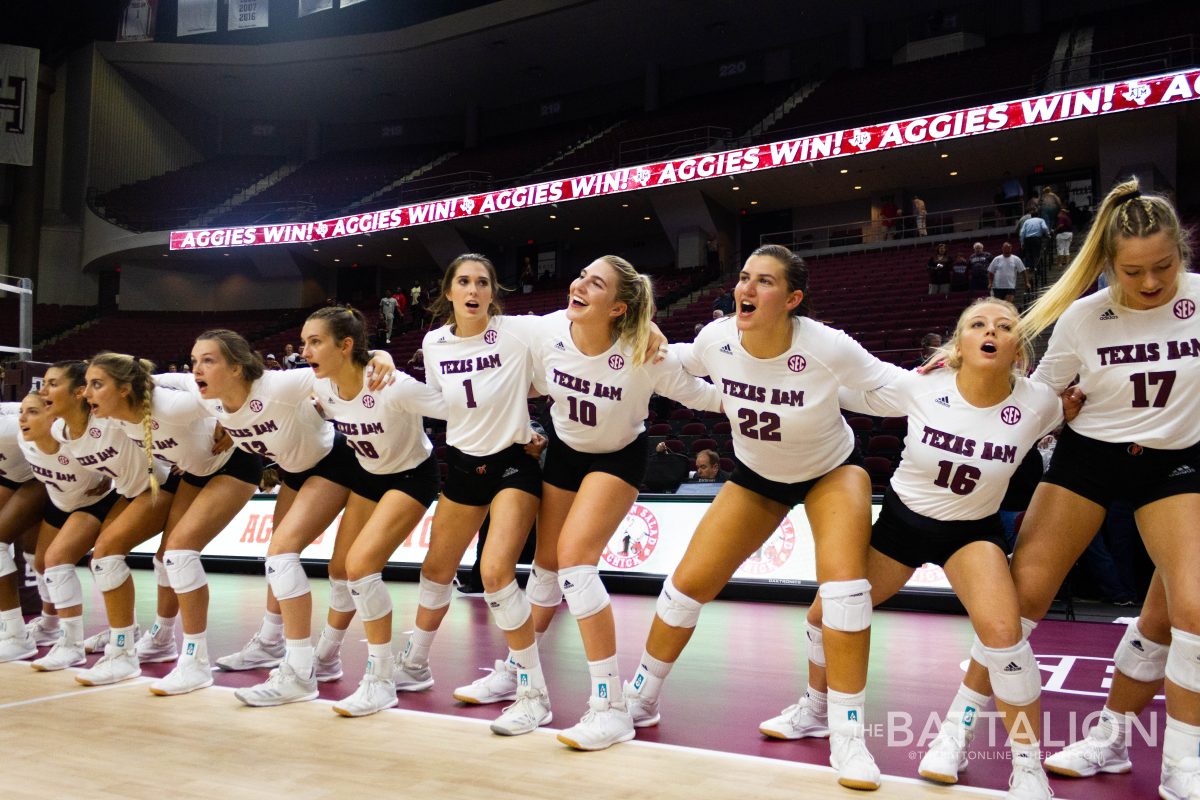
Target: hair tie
[{"x": 1125, "y": 198}]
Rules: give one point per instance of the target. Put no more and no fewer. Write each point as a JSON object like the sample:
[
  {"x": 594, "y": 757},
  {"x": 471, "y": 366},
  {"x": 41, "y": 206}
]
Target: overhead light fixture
[
  {"x": 1054, "y": 138},
  {"x": 389, "y": 255},
  {"x": 646, "y": 218},
  {"x": 553, "y": 216},
  {"x": 225, "y": 254},
  {"x": 945, "y": 155},
  {"x": 576, "y": 227},
  {"x": 487, "y": 227},
  {"x": 359, "y": 244},
  {"x": 405, "y": 238},
  {"x": 624, "y": 205},
  {"x": 843, "y": 171},
  {"x": 336, "y": 260},
  {"x": 753, "y": 202},
  {"x": 857, "y": 187},
  {"x": 953, "y": 173},
  {"x": 737, "y": 188},
  {"x": 1058, "y": 158}
]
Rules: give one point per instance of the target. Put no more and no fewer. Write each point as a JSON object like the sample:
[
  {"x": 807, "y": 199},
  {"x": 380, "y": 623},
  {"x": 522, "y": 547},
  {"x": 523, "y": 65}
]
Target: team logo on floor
[
  {"x": 797, "y": 363},
  {"x": 489, "y": 337},
  {"x": 634, "y": 540},
  {"x": 774, "y": 553},
  {"x": 1185, "y": 308},
  {"x": 616, "y": 362}
]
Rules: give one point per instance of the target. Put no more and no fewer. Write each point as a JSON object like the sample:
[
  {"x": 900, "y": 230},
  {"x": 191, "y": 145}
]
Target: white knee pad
[
  {"x": 1014, "y": 674},
  {"x": 977, "y": 654},
  {"x": 1183, "y": 660},
  {"x": 846, "y": 605},
  {"x": 43, "y": 590},
  {"x": 543, "y": 589},
  {"x": 184, "y": 570},
  {"x": 63, "y": 586},
  {"x": 160, "y": 574},
  {"x": 370, "y": 597},
  {"x": 286, "y": 576},
  {"x": 339, "y": 596},
  {"x": 816, "y": 643},
  {"x": 8, "y": 563},
  {"x": 585, "y": 593},
  {"x": 675, "y": 608},
  {"x": 1139, "y": 658},
  {"x": 110, "y": 572},
  {"x": 510, "y": 608},
  {"x": 434, "y": 595}
]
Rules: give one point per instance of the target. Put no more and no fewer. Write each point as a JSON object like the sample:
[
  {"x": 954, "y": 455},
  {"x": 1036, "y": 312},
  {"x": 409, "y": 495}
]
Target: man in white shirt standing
[
  {"x": 1002, "y": 274},
  {"x": 1034, "y": 234}
]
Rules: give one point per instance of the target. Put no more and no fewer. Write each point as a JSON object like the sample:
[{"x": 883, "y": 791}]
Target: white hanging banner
[
  {"x": 137, "y": 21},
  {"x": 244, "y": 14},
  {"x": 18, "y": 96},
  {"x": 196, "y": 16},
  {"x": 351, "y": 2},
  {"x": 313, "y": 6}
]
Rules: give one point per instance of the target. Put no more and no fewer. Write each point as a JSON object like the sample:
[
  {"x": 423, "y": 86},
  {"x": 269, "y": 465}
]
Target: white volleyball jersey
[
  {"x": 787, "y": 425},
  {"x": 384, "y": 428},
  {"x": 13, "y": 466},
  {"x": 182, "y": 430},
  {"x": 104, "y": 448},
  {"x": 67, "y": 481},
  {"x": 958, "y": 458},
  {"x": 484, "y": 380},
  {"x": 1140, "y": 370},
  {"x": 601, "y": 402},
  {"x": 278, "y": 421}
]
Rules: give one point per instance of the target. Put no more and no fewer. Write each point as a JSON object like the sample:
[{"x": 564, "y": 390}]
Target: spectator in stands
[
  {"x": 387, "y": 310},
  {"x": 665, "y": 470},
  {"x": 170, "y": 368},
  {"x": 1063, "y": 234},
  {"x": 527, "y": 277},
  {"x": 1034, "y": 235},
  {"x": 979, "y": 261},
  {"x": 1031, "y": 210},
  {"x": 930, "y": 343},
  {"x": 919, "y": 212},
  {"x": 724, "y": 303},
  {"x": 718, "y": 313},
  {"x": 415, "y": 365},
  {"x": 1002, "y": 274},
  {"x": 414, "y": 294},
  {"x": 1050, "y": 206},
  {"x": 291, "y": 359},
  {"x": 888, "y": 211},
  {"x": 939, "y": 270},
  {"x": 272, "y": 363},
  {"x": 699, "y": 327},
  {"x": 401, "y": 307},
  {"x": 959, "y": 277},
  {"x": 708, "y": 468}
]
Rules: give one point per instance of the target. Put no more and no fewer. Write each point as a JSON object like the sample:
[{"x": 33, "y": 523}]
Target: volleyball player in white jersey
[
  {"x": 969, "y": 427},
  {"x": 140, "y": 510},
  {"x": 1137, "y": 437},
  {"x": 271, "y": 414},
  {"x": 22, "y": 499},
  {"x": 592, "y": 361},
  {"x": 208, "y": 489},
  {"x": 479, "y": 362},
  {"x": 396, "y": 482},
  {"x": 780, "y": 372}
]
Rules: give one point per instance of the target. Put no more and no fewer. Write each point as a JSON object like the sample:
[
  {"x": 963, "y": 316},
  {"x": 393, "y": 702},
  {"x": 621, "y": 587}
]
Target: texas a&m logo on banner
[{"x": 18, "y": 97}]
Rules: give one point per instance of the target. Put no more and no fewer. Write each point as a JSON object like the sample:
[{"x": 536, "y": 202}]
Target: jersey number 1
[{"x": 470, "y": 390}]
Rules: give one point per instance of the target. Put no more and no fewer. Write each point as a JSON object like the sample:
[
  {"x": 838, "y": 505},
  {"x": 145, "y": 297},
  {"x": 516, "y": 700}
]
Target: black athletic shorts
[
  {"x": 420, "y": 483},
  {"x": 476, "y": 480},
  {"x": 56, "y": 517},
  {"x": 914, "y": 539},
  {"x": 246, "y": 467},
  {"x": 340, "y": 466},
  {"x": 789, "y": 494},
  {"x": 7, "y": 484},
  {"x": 566, "y": 468},
  {"x": 1107, "y": 471}
]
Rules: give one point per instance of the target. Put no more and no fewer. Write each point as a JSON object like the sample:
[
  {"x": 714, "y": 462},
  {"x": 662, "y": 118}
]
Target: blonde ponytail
[
  {"x": 637, "y": 293},
  {"x": 138, "y": 374},
  {"x": 1125, "y": 213}
]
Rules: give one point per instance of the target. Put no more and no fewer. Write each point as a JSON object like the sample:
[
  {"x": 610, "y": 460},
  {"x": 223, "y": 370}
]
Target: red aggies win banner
[{"x": 1092, "y": 101}]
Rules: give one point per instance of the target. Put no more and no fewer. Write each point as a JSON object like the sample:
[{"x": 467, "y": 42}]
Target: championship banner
[
  {"x": 1089, "y": 102},
  {"x": 245, "y": 14},
  {"x": 196, "y": 16},
  {"x": 137, "y": 21},
  {"x": 651, "y": 540},
  {"x": 18, "y": 98},
  {"x": 313, "y": 6}
]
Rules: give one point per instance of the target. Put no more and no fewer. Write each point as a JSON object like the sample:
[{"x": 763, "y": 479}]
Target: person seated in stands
[
  {"x": 718, "y": 313},
  {"x": 959, "y": 274},
  {"x": 272, "y": 363},
  {"x": 930, "y": 344},
  {"x": 415, "y": 365},
  {"x": 665, "y": 470},
  {"x": 708, "y": 468},
  {"x": 724, "y": 303}
]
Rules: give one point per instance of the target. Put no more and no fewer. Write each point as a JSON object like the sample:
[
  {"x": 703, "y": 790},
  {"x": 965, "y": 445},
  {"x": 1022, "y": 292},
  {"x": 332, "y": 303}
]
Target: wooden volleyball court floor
[{"x": 745, "y": 663}]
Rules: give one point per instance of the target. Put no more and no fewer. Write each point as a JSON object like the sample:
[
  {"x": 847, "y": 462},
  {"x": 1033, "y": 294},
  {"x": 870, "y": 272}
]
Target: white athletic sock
[
  {"x": 299, "y": 656},
  {"x": 195, "y": 645},
  {"x": 529, "y": 665},
  {"x": 818, "y": 702},
  {"x": 124, "y": 638},
  {"x": 416, "y": 652},
  {"x": 1028, "y": 756},
  {"x": 272, "y": 628},
  {"x": 1180, "y": 740},
  {"x": 49, "y": 621},
  {"x": 330, "y": 642},
  {"x": 964, "y": 709},
  {"x": 72, "y": 630},
  {"x": 606, "y": 680},
  {"x": 846, "y": 711},
  {"x": 11, "y": 622},
  {"x": 1113, "y": 726},
  {"x": 379, "y": 659},
  {"x": 651, "y": 673},
  {"x": 164, "y": 628}
]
